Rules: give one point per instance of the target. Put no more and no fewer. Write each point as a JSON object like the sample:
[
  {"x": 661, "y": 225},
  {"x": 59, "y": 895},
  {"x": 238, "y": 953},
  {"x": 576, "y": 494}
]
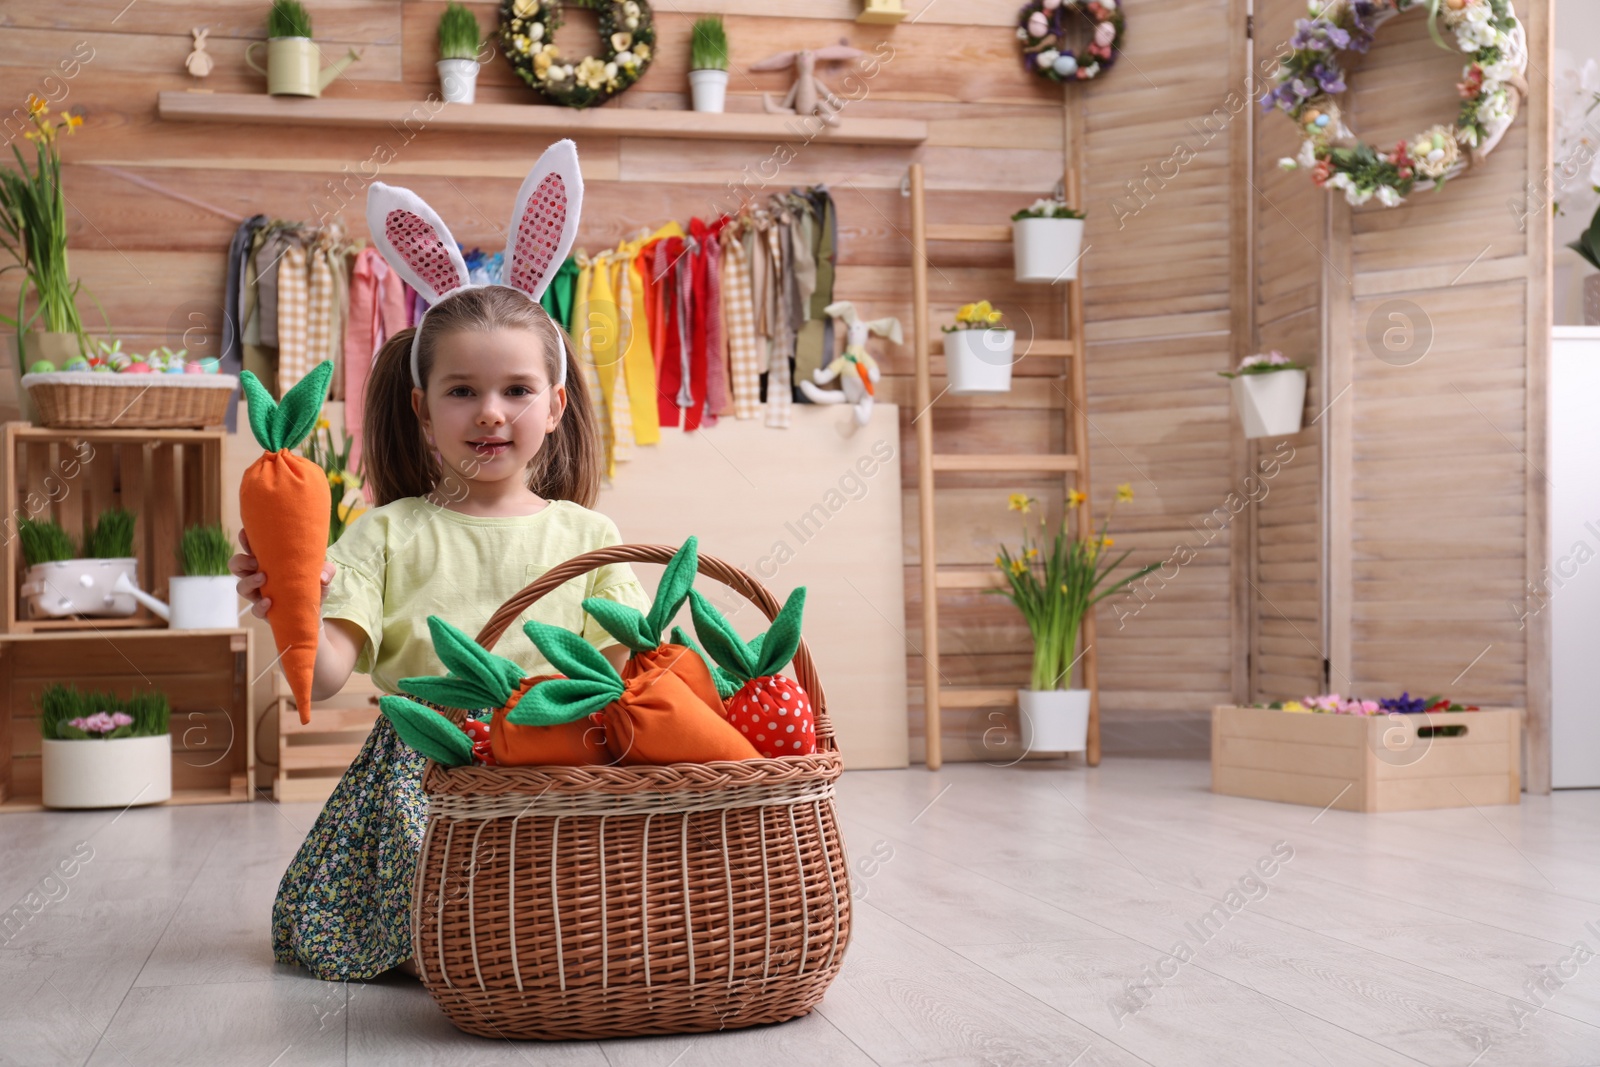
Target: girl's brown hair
[{"x": 398, "y": 462}]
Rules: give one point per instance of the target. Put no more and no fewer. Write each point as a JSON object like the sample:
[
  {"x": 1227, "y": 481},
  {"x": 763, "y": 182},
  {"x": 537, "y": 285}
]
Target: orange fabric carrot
[{"x": 285, "y": 506}]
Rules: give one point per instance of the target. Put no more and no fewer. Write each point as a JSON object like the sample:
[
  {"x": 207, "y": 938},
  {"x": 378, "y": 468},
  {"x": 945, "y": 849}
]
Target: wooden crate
[
  {"x": 204, "y": 673},
  {"x": 1367, "y": 763},
  {"x": 170, "y": 479},
  {"x": 312, "y": 758}
]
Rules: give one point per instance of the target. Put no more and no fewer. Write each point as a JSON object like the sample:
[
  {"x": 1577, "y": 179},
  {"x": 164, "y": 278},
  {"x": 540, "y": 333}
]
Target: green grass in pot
[
  {"x": 459, "y": 37},
  {"x": 112, "y": 537},
  {"x": 45, "y": 542},
  {"x": 205, "y": 551},
  {"x": 708, "y": 45},
  {"x": 60, "y": 704},
  {"x": 288, "y": 18}
]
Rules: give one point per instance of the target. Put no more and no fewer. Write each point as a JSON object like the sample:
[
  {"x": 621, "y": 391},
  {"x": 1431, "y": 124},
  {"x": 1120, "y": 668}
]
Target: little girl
[{"x": 483, "y": 478}]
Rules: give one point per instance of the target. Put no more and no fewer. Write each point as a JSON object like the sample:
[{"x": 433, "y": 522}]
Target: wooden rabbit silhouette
[
  {"x": 808, "y": 95},
  {"x": 199, "y": 61}
]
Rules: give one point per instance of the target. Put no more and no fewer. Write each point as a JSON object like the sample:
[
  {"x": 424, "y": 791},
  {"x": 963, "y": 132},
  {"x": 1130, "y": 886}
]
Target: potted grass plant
[
  {"x": 979, "y": 350},
  {"x": 708, "y": 64},
  {"x": 1055, "y": 586},
  {"x": 205, "y": 596},
  {"x": 33, "y": 230},
  {"x": 103, "y": 751},
  {"x": 60, "y": 581},
  {"x": 459, "y": 42},
  {"x": 292, "y": 55},
  {"x": 1045, "y": 238},
  {"x": 1270, "y": 391}
]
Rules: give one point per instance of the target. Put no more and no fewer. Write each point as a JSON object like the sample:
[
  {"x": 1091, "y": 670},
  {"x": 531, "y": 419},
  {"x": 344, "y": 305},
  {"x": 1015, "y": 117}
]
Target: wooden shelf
[
  {"x": 259, "y": 108},
  {"x": 206, "y": 674}
]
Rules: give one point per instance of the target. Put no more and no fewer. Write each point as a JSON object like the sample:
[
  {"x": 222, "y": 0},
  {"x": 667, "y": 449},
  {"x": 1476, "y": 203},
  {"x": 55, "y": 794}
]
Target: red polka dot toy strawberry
[{"x": 771, "y": 710}]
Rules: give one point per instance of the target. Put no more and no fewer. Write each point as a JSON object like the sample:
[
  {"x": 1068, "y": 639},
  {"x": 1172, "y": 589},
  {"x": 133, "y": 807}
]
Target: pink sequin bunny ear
[
  {"x": 414, "y": 241},
  {"x": 544, "y": 222}
]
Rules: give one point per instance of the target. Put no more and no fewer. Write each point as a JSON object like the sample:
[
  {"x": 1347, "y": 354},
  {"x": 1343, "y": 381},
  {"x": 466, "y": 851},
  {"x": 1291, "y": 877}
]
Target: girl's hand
[{"x": 251, "y": 579}]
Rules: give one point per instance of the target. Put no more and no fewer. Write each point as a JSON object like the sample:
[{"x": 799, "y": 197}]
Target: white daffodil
[
  {"x": 1388, "y": 196},
  {"x": 1288, "y": 163},
  {"x": 1047, "y": 58}
]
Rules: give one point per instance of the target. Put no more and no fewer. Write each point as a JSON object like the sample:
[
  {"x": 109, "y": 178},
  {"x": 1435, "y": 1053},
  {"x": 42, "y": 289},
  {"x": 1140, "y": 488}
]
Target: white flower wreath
[{"x": 528, "y": 29}]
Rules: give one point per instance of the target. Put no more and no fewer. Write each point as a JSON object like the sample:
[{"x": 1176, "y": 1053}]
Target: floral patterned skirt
[{"x": 344, "y": 906}]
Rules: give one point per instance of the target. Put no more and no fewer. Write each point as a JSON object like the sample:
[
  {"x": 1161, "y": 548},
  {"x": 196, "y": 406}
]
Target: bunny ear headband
[{"x": 416, "y": 243}]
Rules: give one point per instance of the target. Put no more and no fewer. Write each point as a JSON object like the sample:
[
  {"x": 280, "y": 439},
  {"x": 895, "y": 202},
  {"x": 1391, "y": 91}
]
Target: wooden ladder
[{"x": 1073, "y": 467}]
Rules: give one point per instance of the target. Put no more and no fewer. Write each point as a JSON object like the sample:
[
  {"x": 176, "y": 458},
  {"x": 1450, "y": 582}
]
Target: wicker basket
[
  {"x": 79, "y": 400},
  {"x": 564, "y": 903}
]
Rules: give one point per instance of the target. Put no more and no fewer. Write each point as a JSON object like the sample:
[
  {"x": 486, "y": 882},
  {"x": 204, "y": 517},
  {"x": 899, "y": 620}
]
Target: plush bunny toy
[
  {"x": 857, "y": 372},
  {"x": 544, "y": 222}
]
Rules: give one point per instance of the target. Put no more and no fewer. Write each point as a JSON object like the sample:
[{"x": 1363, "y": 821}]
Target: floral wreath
[
  {"x": 1042, "y": 29},
  {"x": 1491, "y": 88},
  {"x": 528, "y": 29}
]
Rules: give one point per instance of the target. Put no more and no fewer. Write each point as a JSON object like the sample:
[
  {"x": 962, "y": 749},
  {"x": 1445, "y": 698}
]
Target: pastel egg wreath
[
  {"x": 1491, "y": 89},
  {"x": 527, "y": 33},
  {"x": 1043, "y": 28}
]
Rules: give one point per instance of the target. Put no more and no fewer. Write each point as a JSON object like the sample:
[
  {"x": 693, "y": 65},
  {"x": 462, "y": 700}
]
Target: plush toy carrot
[
  {"x": 727, "y": 682},
  {"x": 642, "y": 634},
  {"x": 652, "y": 718},
  {"x": 773, "y": 711},
  {"x": 480, "y": 679},
  {"x": 285, "y": 507}
]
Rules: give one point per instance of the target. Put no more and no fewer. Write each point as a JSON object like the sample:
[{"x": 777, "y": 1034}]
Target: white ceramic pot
[
  {"x": 1271, "y": 404},
  {"x": 458, "y": 80},
  {"x": 106, "y": 774},
  {"x": 203, "y": 602},
  {"x": 979, "y": 361},
  {"x": 708, "y": 89},
  {"x": 1046, "y": 250},
  {"x": 1054, "y": 720},
  {"x": 79, "y": 587}
]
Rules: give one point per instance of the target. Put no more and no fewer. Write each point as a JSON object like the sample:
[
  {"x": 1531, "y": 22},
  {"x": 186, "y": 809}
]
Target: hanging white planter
[
  {"x": 708, "y": 89},
  {"x": 94, "y": 773},
  {"x": 1054, "y": 720},
  {"x": 1046, "y": 250},
  {"x": 79, "y": 587},
  {"x": 1270, "y": 404},
  {"x": 979, "y": 361},
  {"x": 458, "y": 80}
]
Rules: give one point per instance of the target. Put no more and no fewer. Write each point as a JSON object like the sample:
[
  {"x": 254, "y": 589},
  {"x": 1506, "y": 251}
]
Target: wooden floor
[{"x": 1017, "y": 915}]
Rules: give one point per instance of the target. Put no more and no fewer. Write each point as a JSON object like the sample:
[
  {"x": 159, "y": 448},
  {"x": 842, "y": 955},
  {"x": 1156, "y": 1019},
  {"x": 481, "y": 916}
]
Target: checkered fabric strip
[
  {"x": 780, "y": 394},
  {"x": 294, "y": 301},
  {"x": 319, "y": 312},
  {"x": 739, "y": 325}
]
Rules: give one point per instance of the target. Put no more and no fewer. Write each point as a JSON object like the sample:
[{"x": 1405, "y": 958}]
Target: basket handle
[{"x": 710, "y": 566}]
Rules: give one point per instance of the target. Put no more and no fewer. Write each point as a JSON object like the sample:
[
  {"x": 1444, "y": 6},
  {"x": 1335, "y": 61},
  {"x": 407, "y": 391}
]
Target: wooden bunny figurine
[
  {"x": 856, "y": 371},
  {"x": 199, "y": 61}
]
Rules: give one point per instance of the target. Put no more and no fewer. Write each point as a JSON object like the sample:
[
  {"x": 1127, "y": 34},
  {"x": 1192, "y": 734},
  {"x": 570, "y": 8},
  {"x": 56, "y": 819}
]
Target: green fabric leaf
[
  {"x": 561, "y": 700},
  {"x": 470, "y": 661},
  {"x": 722, "y": 642},
  {"x": 427, "y": 731},
  {"x": 624, "y": 623},
  {"x": 783, "y": 639},
  {"x": 284, "y": 424},
  {"x": 676, "y": 581},
  {"x": 727, "y": 683},
  {"x": 463, "y": 693},
  {"x": 571, "y": 654}
]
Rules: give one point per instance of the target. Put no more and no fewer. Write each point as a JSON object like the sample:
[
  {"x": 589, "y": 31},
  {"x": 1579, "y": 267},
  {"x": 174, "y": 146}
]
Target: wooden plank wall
[
  {"x": 1441, "y": 460},
  {"x": 156, "y": 263},
  {"x": 1164, "y": 163},
  {"x": 1285, "y": 589}
]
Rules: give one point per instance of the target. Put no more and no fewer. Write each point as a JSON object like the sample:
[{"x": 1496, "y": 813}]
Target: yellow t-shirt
[{"x": 409, "y": 559}]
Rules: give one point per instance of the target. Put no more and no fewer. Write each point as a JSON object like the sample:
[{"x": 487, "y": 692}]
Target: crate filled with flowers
[{"x": 1393, "y": 754}]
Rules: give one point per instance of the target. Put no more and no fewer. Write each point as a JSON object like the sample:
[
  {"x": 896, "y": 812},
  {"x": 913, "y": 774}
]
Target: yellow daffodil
[
  {"x": 1075, "y": 498},
  {"x": 349, "y": 513},
  {"x": 993, "y": 318},
  {"x": 1124, "y": 492},
  {"x": 335, "y": 478},
  {"x": 36, "y": 104},
  {"x": 1020, "y": 502},
  {"x": 1000, "y": 561},
  {"x": 322, "y": 424},
  {"x": 1106, "y": 542},
  {"x": 72, "y": 121},
  {"x": 1294, "y": 705},
  {"x": 1018, "y": 567},
  {"x": 1032, "y": 553}
]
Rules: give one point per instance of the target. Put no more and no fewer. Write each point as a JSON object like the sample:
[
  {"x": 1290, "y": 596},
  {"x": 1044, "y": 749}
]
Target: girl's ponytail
[
  {"x": 568, "y": 465},
  {"x": 397, "y": 462}
]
